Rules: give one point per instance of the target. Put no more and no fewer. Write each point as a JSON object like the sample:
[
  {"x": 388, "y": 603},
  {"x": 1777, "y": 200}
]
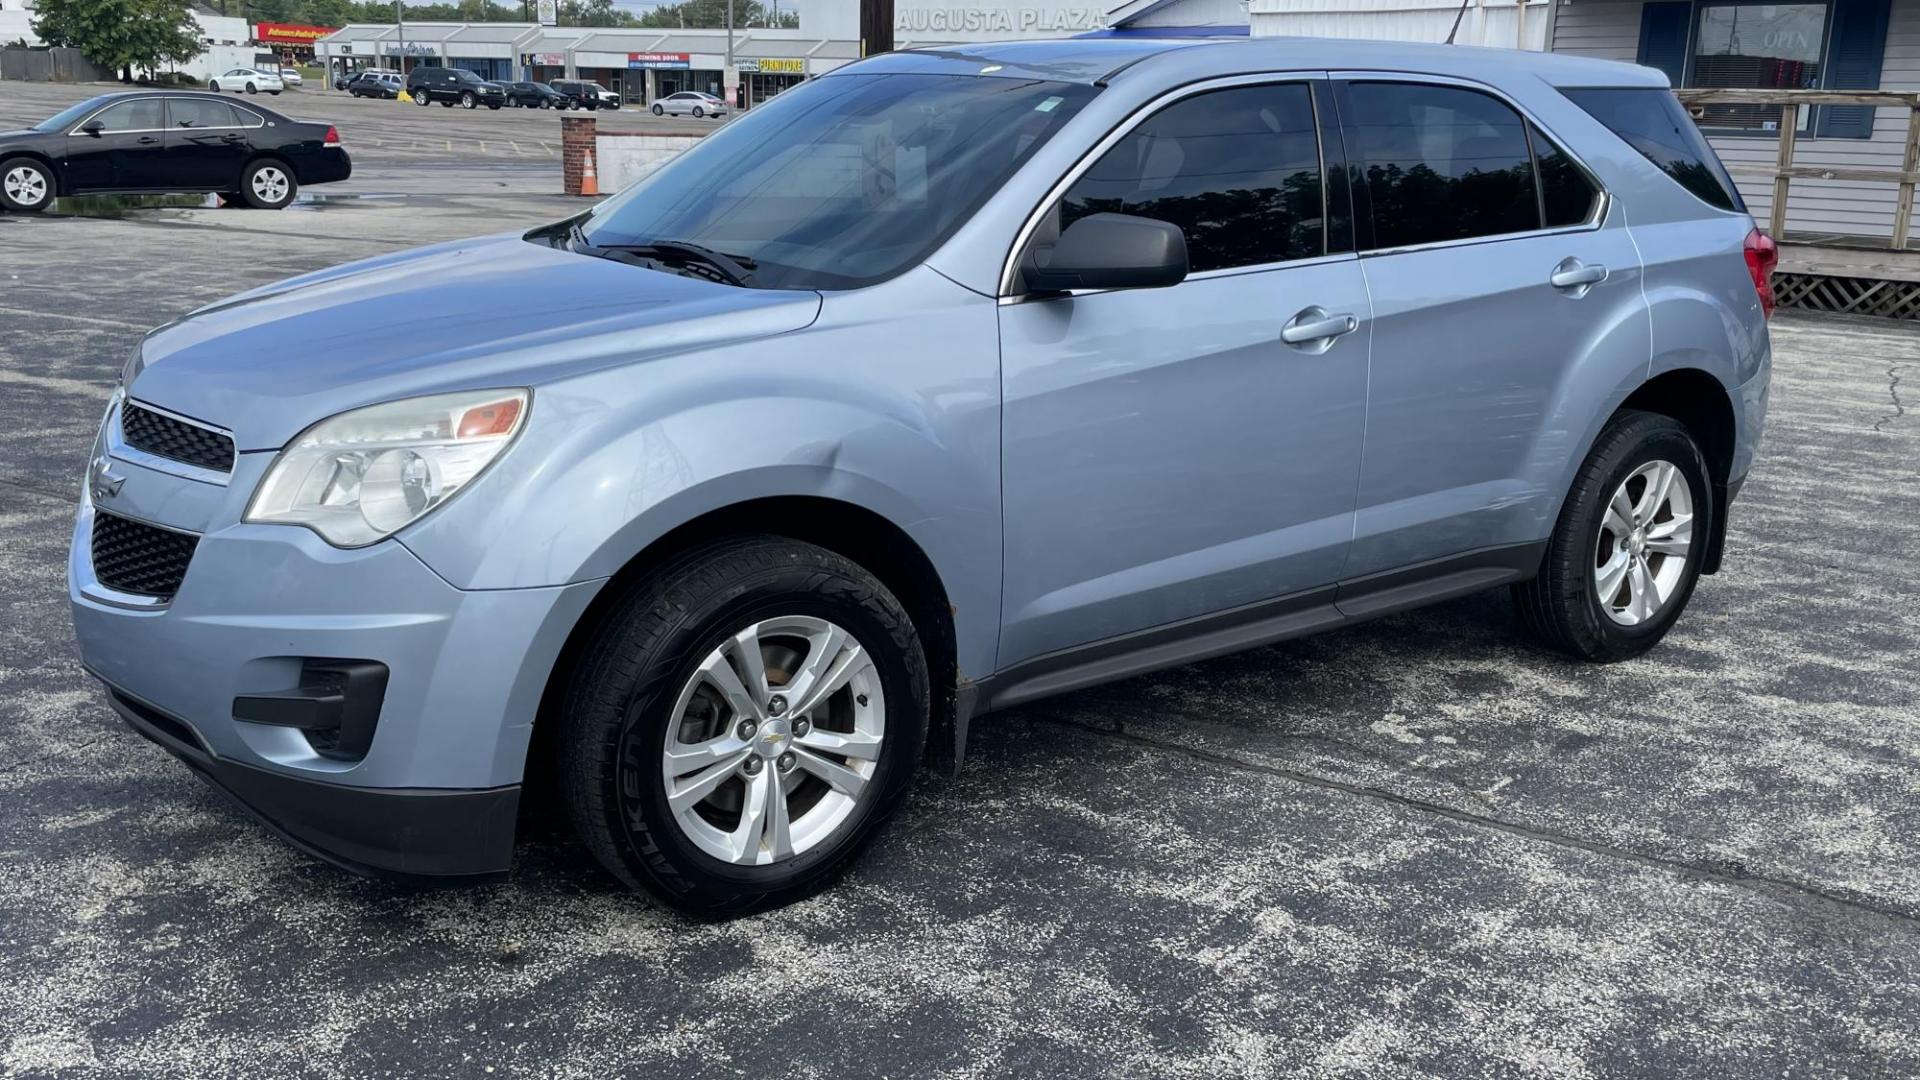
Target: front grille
[
  {"x": 133, "y": 557},
  {"x": 163, "y": 436}
]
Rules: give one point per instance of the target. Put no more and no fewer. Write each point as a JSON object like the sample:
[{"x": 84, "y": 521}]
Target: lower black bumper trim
[{"x": 423, "y": 836}]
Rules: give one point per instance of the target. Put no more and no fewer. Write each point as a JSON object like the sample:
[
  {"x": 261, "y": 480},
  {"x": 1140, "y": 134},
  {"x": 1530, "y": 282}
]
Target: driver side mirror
[
  {"x": 94, "y": 127},
  {"x": 1109, "y": 251}
]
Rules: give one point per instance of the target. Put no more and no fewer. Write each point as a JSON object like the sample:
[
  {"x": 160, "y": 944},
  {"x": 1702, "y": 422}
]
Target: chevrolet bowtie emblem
[{"x": 102, "y": 480}]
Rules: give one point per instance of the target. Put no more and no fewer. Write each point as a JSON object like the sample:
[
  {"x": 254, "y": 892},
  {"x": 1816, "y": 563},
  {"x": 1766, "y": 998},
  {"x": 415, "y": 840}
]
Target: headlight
[{"x": 363, "y": 475}]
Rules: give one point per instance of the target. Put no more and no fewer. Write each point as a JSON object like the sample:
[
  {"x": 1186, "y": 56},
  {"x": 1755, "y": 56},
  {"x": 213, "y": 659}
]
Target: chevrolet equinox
[{"x": 941, "y": 383}]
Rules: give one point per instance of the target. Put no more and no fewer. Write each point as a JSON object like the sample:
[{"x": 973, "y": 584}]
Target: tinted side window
[
  {"x": 196, "y": 113},
  {"x": 1652, "y": 122},
  {"x": 1440, "y": 163},
  {"x": 143, "y": 114},
  {"x": 1566, "y": 195},
  {"x": 1237, "y": 170}
]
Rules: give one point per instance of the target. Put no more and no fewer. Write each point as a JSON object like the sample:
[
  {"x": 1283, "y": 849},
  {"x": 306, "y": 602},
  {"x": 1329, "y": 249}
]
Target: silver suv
[{"x": 939, "y": 384}]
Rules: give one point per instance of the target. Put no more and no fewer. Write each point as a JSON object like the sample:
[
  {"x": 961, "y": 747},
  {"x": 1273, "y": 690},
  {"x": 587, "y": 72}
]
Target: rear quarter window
[{"x": 1653, "y": 123}]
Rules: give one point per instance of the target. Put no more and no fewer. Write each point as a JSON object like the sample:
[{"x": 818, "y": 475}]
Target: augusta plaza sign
[{"x": 998, "y": 20}]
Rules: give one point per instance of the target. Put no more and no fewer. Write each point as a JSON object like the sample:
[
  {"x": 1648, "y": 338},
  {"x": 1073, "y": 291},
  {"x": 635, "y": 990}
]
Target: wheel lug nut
[
  {"x": 801, "y": 727},
  {"x": 745, "y": 729},
  {"x": 752, "y": 766},
  {"x": 786, "y": 761},
  {"x": 862, "y": 699}
]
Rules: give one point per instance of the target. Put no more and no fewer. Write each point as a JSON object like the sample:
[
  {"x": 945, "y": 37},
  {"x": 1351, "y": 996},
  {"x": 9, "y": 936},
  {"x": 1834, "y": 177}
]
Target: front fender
[{"x": 613, "y": 460}]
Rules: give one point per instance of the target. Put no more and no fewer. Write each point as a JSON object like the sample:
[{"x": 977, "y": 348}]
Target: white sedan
[
  {"x": 291, "y": 76},
  {"x": 252, "y": 80},
  {"x": 690, "y": 102}
]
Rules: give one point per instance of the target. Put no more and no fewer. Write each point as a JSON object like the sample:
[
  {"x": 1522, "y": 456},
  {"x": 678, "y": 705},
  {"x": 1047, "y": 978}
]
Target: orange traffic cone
[{"x": 589, "y": 182}]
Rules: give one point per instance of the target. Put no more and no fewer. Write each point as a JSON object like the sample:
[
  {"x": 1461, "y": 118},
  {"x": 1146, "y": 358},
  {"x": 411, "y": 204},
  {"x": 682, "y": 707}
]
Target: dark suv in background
[
  {"x": 533, "y": 95},
  {"x": 449, "y": 86},
  {"x": 585, "y": 95}
]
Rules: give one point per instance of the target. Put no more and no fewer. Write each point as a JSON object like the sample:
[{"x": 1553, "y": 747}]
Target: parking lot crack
[
  {"x": 1893, "y": 392},
  {"x": 1796, "y": 894},
  {"x": 34, "y": 489}
]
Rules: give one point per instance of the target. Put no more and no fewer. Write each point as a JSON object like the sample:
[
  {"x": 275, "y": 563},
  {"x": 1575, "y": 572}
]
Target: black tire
[
  {"x": 494, "y": 105},
  {"x": 252, "y": 89},
  {"x": 1561, "y": 607},
  {"x": 25, "y": 202},
  {"x": 421, "y": 99},
  {"x": 621, "y": 694},
  {"x": 467, "y": 100},
  {"x": 698, "y": 112},
  {"x": 260, "y": 201},
  {"x": 659, "y": 111},
  {"x": 213, "y": 86}
]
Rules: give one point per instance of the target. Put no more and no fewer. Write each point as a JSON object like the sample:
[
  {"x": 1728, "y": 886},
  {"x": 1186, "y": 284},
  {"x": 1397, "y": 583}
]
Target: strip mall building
[{"x": 642, "y": 65}]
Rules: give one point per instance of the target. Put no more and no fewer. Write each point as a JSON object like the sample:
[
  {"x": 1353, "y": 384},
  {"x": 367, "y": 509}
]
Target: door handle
[
  {"x": 147, "y": 140},
  {"x": 233, "y": 139},
  {"x": 1315, "y": 326},
  {"x": 1571, "y": 273}
]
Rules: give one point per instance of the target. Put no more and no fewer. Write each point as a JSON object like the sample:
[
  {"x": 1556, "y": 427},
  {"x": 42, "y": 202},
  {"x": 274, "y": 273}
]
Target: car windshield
[
  {"x": 72, "y": 114},
  {"x": 842, "y": 181}
]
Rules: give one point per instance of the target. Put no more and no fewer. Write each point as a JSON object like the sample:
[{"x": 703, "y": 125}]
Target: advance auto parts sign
[{"x": 999, "y": 20}]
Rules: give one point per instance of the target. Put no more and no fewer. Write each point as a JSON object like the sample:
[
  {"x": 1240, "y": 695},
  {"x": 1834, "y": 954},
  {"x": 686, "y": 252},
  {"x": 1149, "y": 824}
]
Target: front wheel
[
  {"x": 252, "y": 89},
  {"x": 268, "y": 185},
  {"x": 1625, "y": 554},
  {"x": 748, "y": 717},
  {"x": 658, "y": 111},
  {"x": 26, "y": 185},
  {"x": 467, "y": 101},
  {"x": 213, "y": 87}
]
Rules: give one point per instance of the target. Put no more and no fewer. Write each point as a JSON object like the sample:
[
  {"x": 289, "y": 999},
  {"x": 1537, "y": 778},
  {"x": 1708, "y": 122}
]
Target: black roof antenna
[{"x": 1457, "y": 16}]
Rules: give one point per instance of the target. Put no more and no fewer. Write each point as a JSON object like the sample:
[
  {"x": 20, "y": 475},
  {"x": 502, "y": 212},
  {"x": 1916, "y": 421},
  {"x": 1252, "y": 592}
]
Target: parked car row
[
  {"x": 427, "y": 85},
  {"x": 149, "y": 142}
]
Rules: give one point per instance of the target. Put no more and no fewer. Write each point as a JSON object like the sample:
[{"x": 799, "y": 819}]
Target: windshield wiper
[{"x": 734, "y": 269}]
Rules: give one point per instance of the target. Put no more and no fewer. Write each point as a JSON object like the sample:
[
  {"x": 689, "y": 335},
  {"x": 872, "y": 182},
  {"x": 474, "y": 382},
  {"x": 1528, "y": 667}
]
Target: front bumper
[
  {"x": 420, "y": 835},
  {"x": 433, "y": 794}
]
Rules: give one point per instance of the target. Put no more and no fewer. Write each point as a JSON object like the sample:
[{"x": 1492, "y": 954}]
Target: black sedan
[
  {"x": 533, "y": 95},
  {"x": 149, "y": 142}
]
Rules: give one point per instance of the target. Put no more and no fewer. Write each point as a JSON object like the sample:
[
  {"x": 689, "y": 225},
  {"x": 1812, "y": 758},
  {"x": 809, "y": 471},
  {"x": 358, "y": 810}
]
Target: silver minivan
[{"x": 938, "y": 384}]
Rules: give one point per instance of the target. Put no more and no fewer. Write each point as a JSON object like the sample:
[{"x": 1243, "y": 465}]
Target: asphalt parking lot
[
  {"x": 400, "y": 148},
  {"x": 1414, "y": 848}
]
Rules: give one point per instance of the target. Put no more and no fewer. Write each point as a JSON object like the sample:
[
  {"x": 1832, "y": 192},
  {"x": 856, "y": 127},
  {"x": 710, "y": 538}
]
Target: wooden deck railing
[{"x": 1784, "y": 171}]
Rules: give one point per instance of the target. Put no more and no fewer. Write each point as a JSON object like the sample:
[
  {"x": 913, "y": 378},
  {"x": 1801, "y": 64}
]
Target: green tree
[
  {"x": 125, "y": 35},
  {"x": 713, "y": 14}
]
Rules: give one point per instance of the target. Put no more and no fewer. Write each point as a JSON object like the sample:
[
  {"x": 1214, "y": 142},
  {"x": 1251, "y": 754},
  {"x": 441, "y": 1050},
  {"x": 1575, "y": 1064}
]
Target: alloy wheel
[
  {"x": 773, "y": 740},
  {"x": 270, "y": 183},
  {"x": 25, "y": 185},
  {"x": 1646, "y": 533}
]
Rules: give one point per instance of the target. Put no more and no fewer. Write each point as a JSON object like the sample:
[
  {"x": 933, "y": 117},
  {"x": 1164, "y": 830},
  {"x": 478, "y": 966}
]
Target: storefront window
[{"x": 1757, "y": 46}]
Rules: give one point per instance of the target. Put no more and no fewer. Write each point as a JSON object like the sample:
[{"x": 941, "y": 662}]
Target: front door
[
  {"x": 1168, "y": 453},
  {"x": 124, "y": 154},
  {"x": 1503, "y": 284},
  {"x": 205, "y": 145}
]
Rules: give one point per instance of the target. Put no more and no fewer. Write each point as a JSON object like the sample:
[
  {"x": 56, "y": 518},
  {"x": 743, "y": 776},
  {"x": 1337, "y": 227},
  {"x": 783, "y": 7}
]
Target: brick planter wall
[{"x": 577, "y": 135}]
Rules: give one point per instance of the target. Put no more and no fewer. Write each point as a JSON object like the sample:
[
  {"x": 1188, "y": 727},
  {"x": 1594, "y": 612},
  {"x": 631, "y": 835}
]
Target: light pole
[
  {"x": 400, "y": 23},
  {"x": 731, "y": 73}
]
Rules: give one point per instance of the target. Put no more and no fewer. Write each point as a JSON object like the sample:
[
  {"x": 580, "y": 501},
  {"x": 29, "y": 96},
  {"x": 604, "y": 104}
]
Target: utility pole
[
  {"x": 733, "y": 92},
  {"x": 400, "y": 21},
  {"x": 876, "y": 27}
]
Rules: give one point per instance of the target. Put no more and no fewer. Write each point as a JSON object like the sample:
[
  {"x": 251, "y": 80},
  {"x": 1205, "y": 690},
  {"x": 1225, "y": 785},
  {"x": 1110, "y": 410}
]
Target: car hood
[{"x": 492, "y": 312}]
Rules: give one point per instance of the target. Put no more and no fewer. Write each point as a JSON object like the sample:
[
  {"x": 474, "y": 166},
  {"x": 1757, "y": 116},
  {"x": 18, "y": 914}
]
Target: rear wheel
[
  {"x": 698, "y": 112},
  {"x": 749, "y": 716},
  {"x": 26, "y": 185},
  {"x": 1625, "y": 554},
  {"x": 213, "y": 86},
  {"x": 252, "y": 89},
  {"x": 421, "y": 99},
  {"x": 659, "y": 111},
  {"x": 268, "y": 185}
]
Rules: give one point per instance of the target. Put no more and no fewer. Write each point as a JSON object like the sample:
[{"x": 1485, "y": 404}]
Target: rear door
[
  {"x": 125, "y": 154},
  {"x": 205, "y": 145},
  {"x": 1503, "y": 283},
  {"x": 1178, "y": 452}
]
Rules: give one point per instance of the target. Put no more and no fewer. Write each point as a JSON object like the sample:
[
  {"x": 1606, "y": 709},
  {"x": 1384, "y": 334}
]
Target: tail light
[
  {"x": 1762, "y": 256},
  {"x": 333, "y": 139}
]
